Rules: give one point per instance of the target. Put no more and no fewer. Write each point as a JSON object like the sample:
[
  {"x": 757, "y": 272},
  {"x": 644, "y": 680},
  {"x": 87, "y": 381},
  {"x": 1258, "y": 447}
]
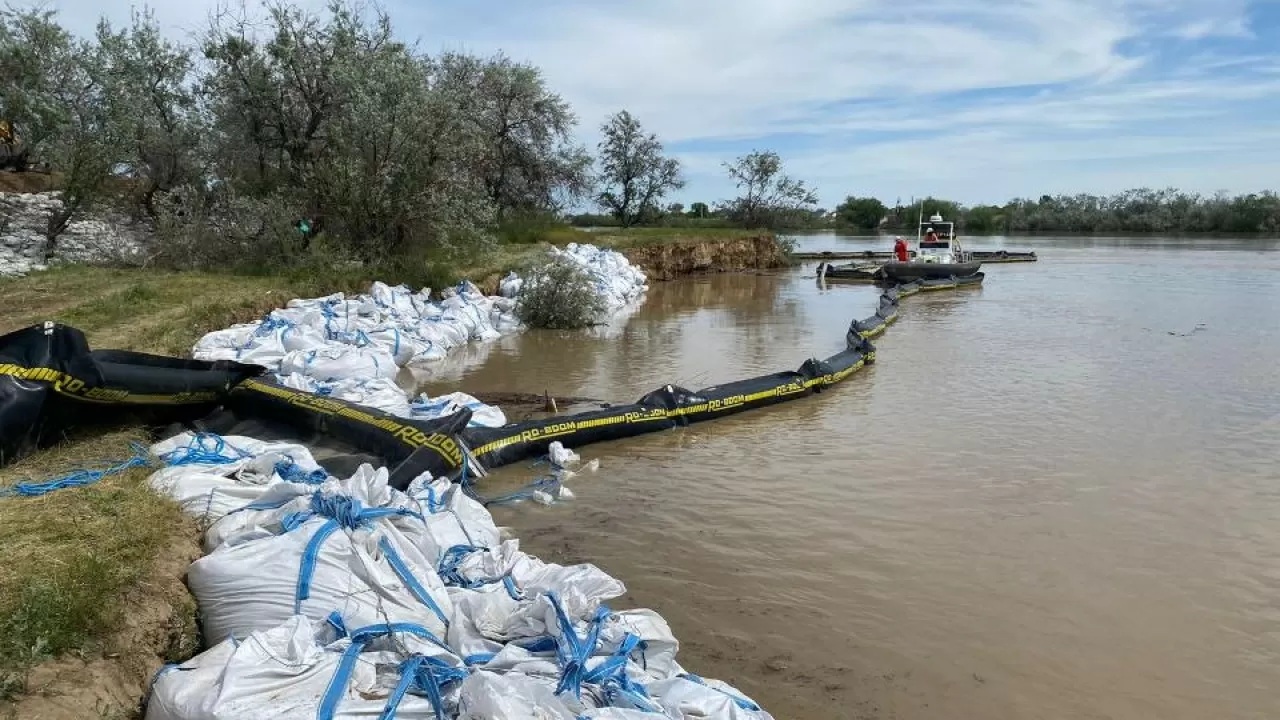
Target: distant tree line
[
  {"x": 269, "y": 135},
  {"x": 1132, "y": 211}
]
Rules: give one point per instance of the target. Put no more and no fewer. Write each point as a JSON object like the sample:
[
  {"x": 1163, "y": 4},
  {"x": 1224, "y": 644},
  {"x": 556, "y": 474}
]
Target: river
[{"x": 1057, "y": 496}]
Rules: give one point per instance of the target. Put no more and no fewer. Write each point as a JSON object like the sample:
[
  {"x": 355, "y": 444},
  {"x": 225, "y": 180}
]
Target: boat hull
[
  {"x": 851, "y": 273},
  {"x": 907, "y": 271},
  {"x": 1003, "y": 256}
]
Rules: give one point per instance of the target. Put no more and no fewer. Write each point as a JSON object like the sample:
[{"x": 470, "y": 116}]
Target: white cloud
[{"x": 841, "y": 74}]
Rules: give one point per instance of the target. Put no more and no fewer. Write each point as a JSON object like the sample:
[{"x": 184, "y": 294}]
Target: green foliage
[
  {"x": 559, "y": 295},
  {"x": 1132, "y": 211},
  {"x": 770, "y": 198},
  {"x": 699, "y": 210},
  {"x": 861, "y": 213},
  {"x": 635, "y": 174}
]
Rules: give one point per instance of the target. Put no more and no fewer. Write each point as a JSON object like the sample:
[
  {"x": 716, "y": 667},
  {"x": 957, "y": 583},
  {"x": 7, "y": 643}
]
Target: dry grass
[{"x": 67, "y": 558}]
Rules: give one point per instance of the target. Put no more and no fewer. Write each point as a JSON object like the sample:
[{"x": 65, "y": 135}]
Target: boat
[
  {"x": 850, "y": 272},
  {"x": 1003, "y": 256},
  {"x": 938, "y": 255}
]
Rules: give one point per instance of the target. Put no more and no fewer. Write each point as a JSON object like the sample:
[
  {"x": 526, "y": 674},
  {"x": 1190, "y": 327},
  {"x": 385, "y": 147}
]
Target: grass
[
  {"x": 646, "y": 237},
  {"x": 67, "y": 558}
]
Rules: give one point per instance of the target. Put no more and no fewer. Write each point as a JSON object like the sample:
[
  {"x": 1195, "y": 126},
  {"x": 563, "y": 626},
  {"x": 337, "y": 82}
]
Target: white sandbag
[
  {"x": 232, "y": 454},
  {"x": 513, "y": 696},
  {"x": 693, "y": 697},
  {"x": 657, "y": 656},
  {"x": 335, "y": 361},
  {"x": 380, "y": 393},
  {"x": 285, "y": 674},
  {"x": 451, "y": 519},
  {"x": 401, "y": 346},
  {"x": 286, "y": 560},
  {"x": 562, "y": 456},
  {"x": 510, "y": 285},
  {"x": 492, "y": 614},
  {"x": 209, "y": 492},
  {"x": 482, "y": 415},
  {"x": 223, "y": 344}
]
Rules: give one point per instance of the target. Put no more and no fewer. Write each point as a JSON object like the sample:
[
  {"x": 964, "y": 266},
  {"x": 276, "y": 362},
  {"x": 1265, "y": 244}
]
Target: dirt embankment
[{"x": 695, "y": 256}]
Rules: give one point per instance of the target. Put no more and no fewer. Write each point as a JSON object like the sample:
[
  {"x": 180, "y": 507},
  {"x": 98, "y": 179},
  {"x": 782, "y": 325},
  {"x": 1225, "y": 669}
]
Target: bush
[{"x": 559, "y": 295}]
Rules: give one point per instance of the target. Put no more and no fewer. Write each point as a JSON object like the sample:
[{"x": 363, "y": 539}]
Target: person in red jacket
[{"x": 900, "y": 249}]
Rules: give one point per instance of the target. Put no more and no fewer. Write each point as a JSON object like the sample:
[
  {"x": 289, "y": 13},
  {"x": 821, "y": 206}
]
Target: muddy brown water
[{"x": 1057, "y": 496}]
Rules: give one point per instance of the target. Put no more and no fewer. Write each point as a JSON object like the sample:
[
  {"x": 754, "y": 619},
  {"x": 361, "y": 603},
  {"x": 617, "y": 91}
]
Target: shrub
[{"x": 559, "y": 295}]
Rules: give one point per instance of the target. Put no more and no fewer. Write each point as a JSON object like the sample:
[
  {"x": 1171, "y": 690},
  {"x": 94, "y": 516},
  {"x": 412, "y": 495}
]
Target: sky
[{"x": 978, "y": 101}]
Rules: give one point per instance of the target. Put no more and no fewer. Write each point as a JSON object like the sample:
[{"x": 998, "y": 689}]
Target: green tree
[
  {"x": 699, "y": 210},
  {"x": 635, "y": 174},
  {"x": 52, "y": 90},
  {"x": 769, "y": 198},
  {"x": 532, "y": 163},
  {"x": 862, "y": 213},
  {"x": 151, "y": 106}
]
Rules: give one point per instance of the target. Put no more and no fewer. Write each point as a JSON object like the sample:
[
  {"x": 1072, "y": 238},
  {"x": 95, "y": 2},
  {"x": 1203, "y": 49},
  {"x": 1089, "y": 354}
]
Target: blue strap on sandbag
[
  {"x": 406, "y": 576},
  {"x": 572, "y": 652},
  {"x": 141, "y": 458},
  {"x": 439, "y": 674},
  {"x": 612, "y": 679},
  {"x": 452, "y": 576},
  {"x": 427, "y": 674},
  {"x": 342, "y": 511}
]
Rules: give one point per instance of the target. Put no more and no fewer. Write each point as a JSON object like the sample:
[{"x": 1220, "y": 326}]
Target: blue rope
[
  {"x": 289, "y": 471},
  {"x": 141, "y": 458},
  {"x": 199, "y": 452}
]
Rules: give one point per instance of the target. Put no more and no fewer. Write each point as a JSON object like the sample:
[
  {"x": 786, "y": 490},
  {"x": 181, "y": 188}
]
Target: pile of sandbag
[
  {"x": 352, "y": 348},
  {"x": 343, "y": 598},
  {"x": 615, "y": 279}
]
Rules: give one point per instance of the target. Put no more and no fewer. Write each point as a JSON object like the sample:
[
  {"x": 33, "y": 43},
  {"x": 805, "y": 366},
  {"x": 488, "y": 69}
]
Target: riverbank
[{"x": 73, "y": 561}]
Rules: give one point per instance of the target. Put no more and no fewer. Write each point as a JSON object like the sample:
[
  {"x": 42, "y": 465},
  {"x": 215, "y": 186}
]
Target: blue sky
[{"x": 974, "y": 100}]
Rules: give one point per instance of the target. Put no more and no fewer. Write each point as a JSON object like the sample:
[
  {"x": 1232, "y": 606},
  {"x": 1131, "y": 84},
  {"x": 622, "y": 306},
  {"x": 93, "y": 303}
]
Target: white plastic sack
[
  {"x": 272, "y": 565},
  {"x": 336, "y": 361},
  {"x": 285, "y": 674},
  {"x": 682, "y": 697},
  {"x": 510, "y": 285},
  {"x": 210, "y": 489},
  {"x": 513, "y": 696},
  {"x": 482, "y": 415}
]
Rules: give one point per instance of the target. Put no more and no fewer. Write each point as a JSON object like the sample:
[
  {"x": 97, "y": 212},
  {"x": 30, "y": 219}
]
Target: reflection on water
[{"x": 1049, "y": 499}]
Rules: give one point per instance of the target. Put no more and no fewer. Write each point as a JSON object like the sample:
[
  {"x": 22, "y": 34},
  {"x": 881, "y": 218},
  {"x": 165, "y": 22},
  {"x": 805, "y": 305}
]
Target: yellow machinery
[{"x": 12, "y": 154}]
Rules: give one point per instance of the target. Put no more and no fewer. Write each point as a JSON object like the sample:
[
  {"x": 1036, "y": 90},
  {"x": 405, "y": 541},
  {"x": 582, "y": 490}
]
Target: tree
[
  {"x": 635, "y": 174},
  {"x": 770, "y": 198},
  {"x": 699, "y": 210},
  {"x": 862, "y": 213},
  {"x": 334, "y": 120},
  {"x": 52, "y": 90},
  {"x": 533, "y": 163},
  {"x": 559, "y": 295},
  {"x": 675, "y": 209},
  {"x": 152, "y": 107}
]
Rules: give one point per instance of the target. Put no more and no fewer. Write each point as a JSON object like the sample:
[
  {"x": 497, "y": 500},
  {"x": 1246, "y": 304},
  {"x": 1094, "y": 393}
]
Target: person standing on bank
[{"x": 900, "y": 249}]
